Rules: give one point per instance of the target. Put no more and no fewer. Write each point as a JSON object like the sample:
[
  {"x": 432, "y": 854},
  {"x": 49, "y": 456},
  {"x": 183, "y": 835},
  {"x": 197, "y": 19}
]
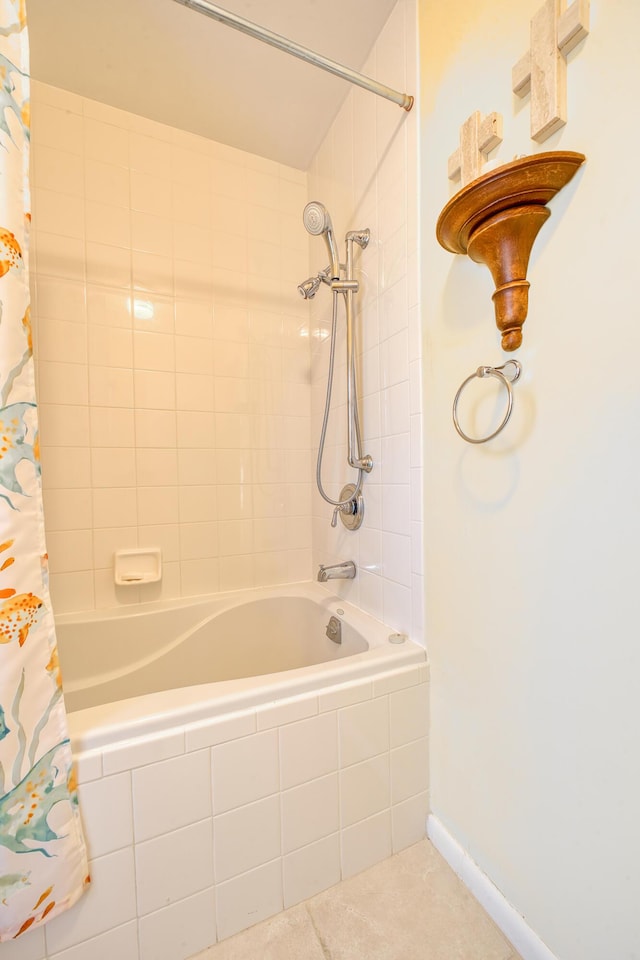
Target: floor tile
[
  {"x": 290, "y": 934},
  {"x": 408, "y": 907}
]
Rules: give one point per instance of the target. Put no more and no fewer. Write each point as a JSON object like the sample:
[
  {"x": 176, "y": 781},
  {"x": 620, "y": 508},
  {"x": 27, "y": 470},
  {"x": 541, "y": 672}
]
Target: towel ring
[{"x": 506, "y": 379}]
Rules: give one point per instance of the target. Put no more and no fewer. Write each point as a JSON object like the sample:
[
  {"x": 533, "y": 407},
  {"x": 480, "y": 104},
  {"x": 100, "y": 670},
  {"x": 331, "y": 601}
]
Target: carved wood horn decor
[{"x": 495, "y": 220}]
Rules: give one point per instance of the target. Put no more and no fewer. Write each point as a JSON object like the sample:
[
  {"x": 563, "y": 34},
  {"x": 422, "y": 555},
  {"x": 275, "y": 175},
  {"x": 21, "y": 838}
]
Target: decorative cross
[
  {"x": 555, "y": 31},
  {"x": 477, "y": 139}
]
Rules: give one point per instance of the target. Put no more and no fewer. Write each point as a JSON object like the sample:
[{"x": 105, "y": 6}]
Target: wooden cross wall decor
[
  {"x": 478, "y": 138},
  {"x": 555, "y": 31}
]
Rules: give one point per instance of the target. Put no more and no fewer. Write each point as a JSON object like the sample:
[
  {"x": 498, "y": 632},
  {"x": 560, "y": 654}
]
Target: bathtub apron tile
[
  {"x": 209, "y": 733},
  {"x": 364, "y": 790},
  {"x": 409, "y": 770},
  {"x": 247, "y": 899},
  {"x": 121, "y": 942},
  {"x": 137, "y": 753},
  {"x": 171, "y": 794},
  {"x": 109, "y": 902},
  {"x": 310, "y": 812},
  {"x": 245, "y": 770},
  {"x": 409, "y": 821},
  {"x": 30, "y": 946},
  {"x": 107, "y": 813},
  {"x": 366, "y": 843},
  {"x": 308, "y": 749},
  {"x": 174, "y": 867},
  {"x": 409, "y": 714},
  {"x": 363, "y": 730},
  {"x": 311, "y": 870},
  {"x": 246, "y": 838},
  {"x": 180, "y": 930}
]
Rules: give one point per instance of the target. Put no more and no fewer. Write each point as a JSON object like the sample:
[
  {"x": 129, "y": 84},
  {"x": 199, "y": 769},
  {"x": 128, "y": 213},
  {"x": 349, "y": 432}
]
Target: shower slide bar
[{"x": 212, "y": 10}]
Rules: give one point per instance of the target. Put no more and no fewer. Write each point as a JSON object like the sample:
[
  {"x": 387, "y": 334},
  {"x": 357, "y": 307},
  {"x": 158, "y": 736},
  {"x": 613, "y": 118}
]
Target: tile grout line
[{"x": 320, "y": 939}]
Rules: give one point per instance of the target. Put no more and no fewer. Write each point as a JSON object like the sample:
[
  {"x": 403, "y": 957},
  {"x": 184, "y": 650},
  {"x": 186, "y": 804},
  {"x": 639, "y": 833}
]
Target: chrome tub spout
[{"x": 337, "y": 571}]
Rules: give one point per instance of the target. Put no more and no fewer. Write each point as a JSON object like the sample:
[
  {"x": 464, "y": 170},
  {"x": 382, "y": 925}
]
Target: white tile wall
[
  {"x": 366, "y": 173},
  {"x": 245, "y": 770},
  {"x": 246, "y": 837},
  {"x": 310, "y": 812},
  {"x": 160, "y": 802},
  {"x": 153, "y": 254},
  {"x": 311, "y": 869},
  {"x": 26, "y": 948},
  {"x": 249, "y": 898},
  {"x": 173, "y": 866},
  {"x": 364, "y": 789},
  {"x": 180, "y": 930},
  {"x": 109, "y": 902},
  {"x": 366, "y": 843},
  {"x": 107, "y": 797},
  {"x": 299, "y": 764},
  {"x": 364, "y": 730},
  {"x": 170, "y": 874},
  {"x": 121, "y": 942}
]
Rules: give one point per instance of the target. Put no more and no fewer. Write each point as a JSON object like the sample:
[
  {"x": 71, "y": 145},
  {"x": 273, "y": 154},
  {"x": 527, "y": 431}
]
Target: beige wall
[
  {"x": 531, "y": 541},
  {"x": 188, "y": 429}
]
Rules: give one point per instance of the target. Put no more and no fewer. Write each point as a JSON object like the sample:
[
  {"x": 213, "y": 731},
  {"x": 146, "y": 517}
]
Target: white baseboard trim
[{"x": 509, "y": 921}]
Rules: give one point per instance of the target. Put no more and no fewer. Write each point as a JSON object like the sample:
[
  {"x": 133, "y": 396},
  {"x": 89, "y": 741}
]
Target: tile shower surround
[
  {"x": 192, "y": 431},
  {"x": 202, "y": 831},
  {"x": 172, "y": 355}
]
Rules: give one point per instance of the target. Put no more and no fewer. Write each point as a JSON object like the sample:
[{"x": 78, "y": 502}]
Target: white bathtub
[
  {"x": 210, "y": 804},
  {"x": 129, "y": 672}
]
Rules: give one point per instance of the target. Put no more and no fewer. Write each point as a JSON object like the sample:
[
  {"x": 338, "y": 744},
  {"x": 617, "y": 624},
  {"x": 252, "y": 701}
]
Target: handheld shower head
[
  {"x": 317, "y": 221},
  {"x": 316, "y": 218}
]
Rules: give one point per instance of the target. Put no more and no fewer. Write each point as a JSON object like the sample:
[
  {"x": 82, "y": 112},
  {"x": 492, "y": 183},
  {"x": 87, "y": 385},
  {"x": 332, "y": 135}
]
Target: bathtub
[
  {"x": 233, "y": 761},
  {"x": 128, "y": 672}
]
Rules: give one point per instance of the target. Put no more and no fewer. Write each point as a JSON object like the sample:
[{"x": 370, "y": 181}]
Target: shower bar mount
[{"x": 212, "y": 10}]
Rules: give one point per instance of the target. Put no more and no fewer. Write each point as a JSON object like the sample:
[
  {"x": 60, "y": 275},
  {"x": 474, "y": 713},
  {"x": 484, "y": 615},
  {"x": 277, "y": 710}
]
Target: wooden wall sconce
[{"x": 495, "y": 220}]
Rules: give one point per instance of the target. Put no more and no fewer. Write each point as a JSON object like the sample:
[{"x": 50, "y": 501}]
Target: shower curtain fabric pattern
[{"x": 43, "y": 858}]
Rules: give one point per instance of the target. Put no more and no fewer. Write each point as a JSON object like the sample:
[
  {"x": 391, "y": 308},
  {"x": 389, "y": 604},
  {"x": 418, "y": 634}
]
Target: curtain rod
[{"x": 281, "y": 43}]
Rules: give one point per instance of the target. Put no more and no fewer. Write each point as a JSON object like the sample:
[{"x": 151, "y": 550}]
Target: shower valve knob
[{"x": 349, "y": 509}]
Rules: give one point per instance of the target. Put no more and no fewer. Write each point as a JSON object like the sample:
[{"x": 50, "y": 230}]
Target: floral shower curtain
[{"x": 43, "y": 861}]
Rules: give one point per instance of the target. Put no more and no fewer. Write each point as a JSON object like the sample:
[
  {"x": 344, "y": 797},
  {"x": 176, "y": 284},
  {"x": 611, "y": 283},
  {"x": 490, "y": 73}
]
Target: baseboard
[{"x": 509, "y": 921}]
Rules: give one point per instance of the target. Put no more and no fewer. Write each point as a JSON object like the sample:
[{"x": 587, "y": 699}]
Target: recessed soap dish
[{"x": 140, "y": 565}]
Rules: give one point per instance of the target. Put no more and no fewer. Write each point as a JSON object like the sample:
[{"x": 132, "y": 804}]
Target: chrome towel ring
[{"x": 505, "y": 378}]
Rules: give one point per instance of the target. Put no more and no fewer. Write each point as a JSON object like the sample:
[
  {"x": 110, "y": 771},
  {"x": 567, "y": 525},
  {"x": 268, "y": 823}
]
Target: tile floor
[{"x": 409, "y": 907}]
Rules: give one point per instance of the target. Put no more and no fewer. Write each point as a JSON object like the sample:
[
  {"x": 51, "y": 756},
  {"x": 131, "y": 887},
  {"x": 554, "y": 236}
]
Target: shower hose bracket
[{"x": 364, "y": 463}]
